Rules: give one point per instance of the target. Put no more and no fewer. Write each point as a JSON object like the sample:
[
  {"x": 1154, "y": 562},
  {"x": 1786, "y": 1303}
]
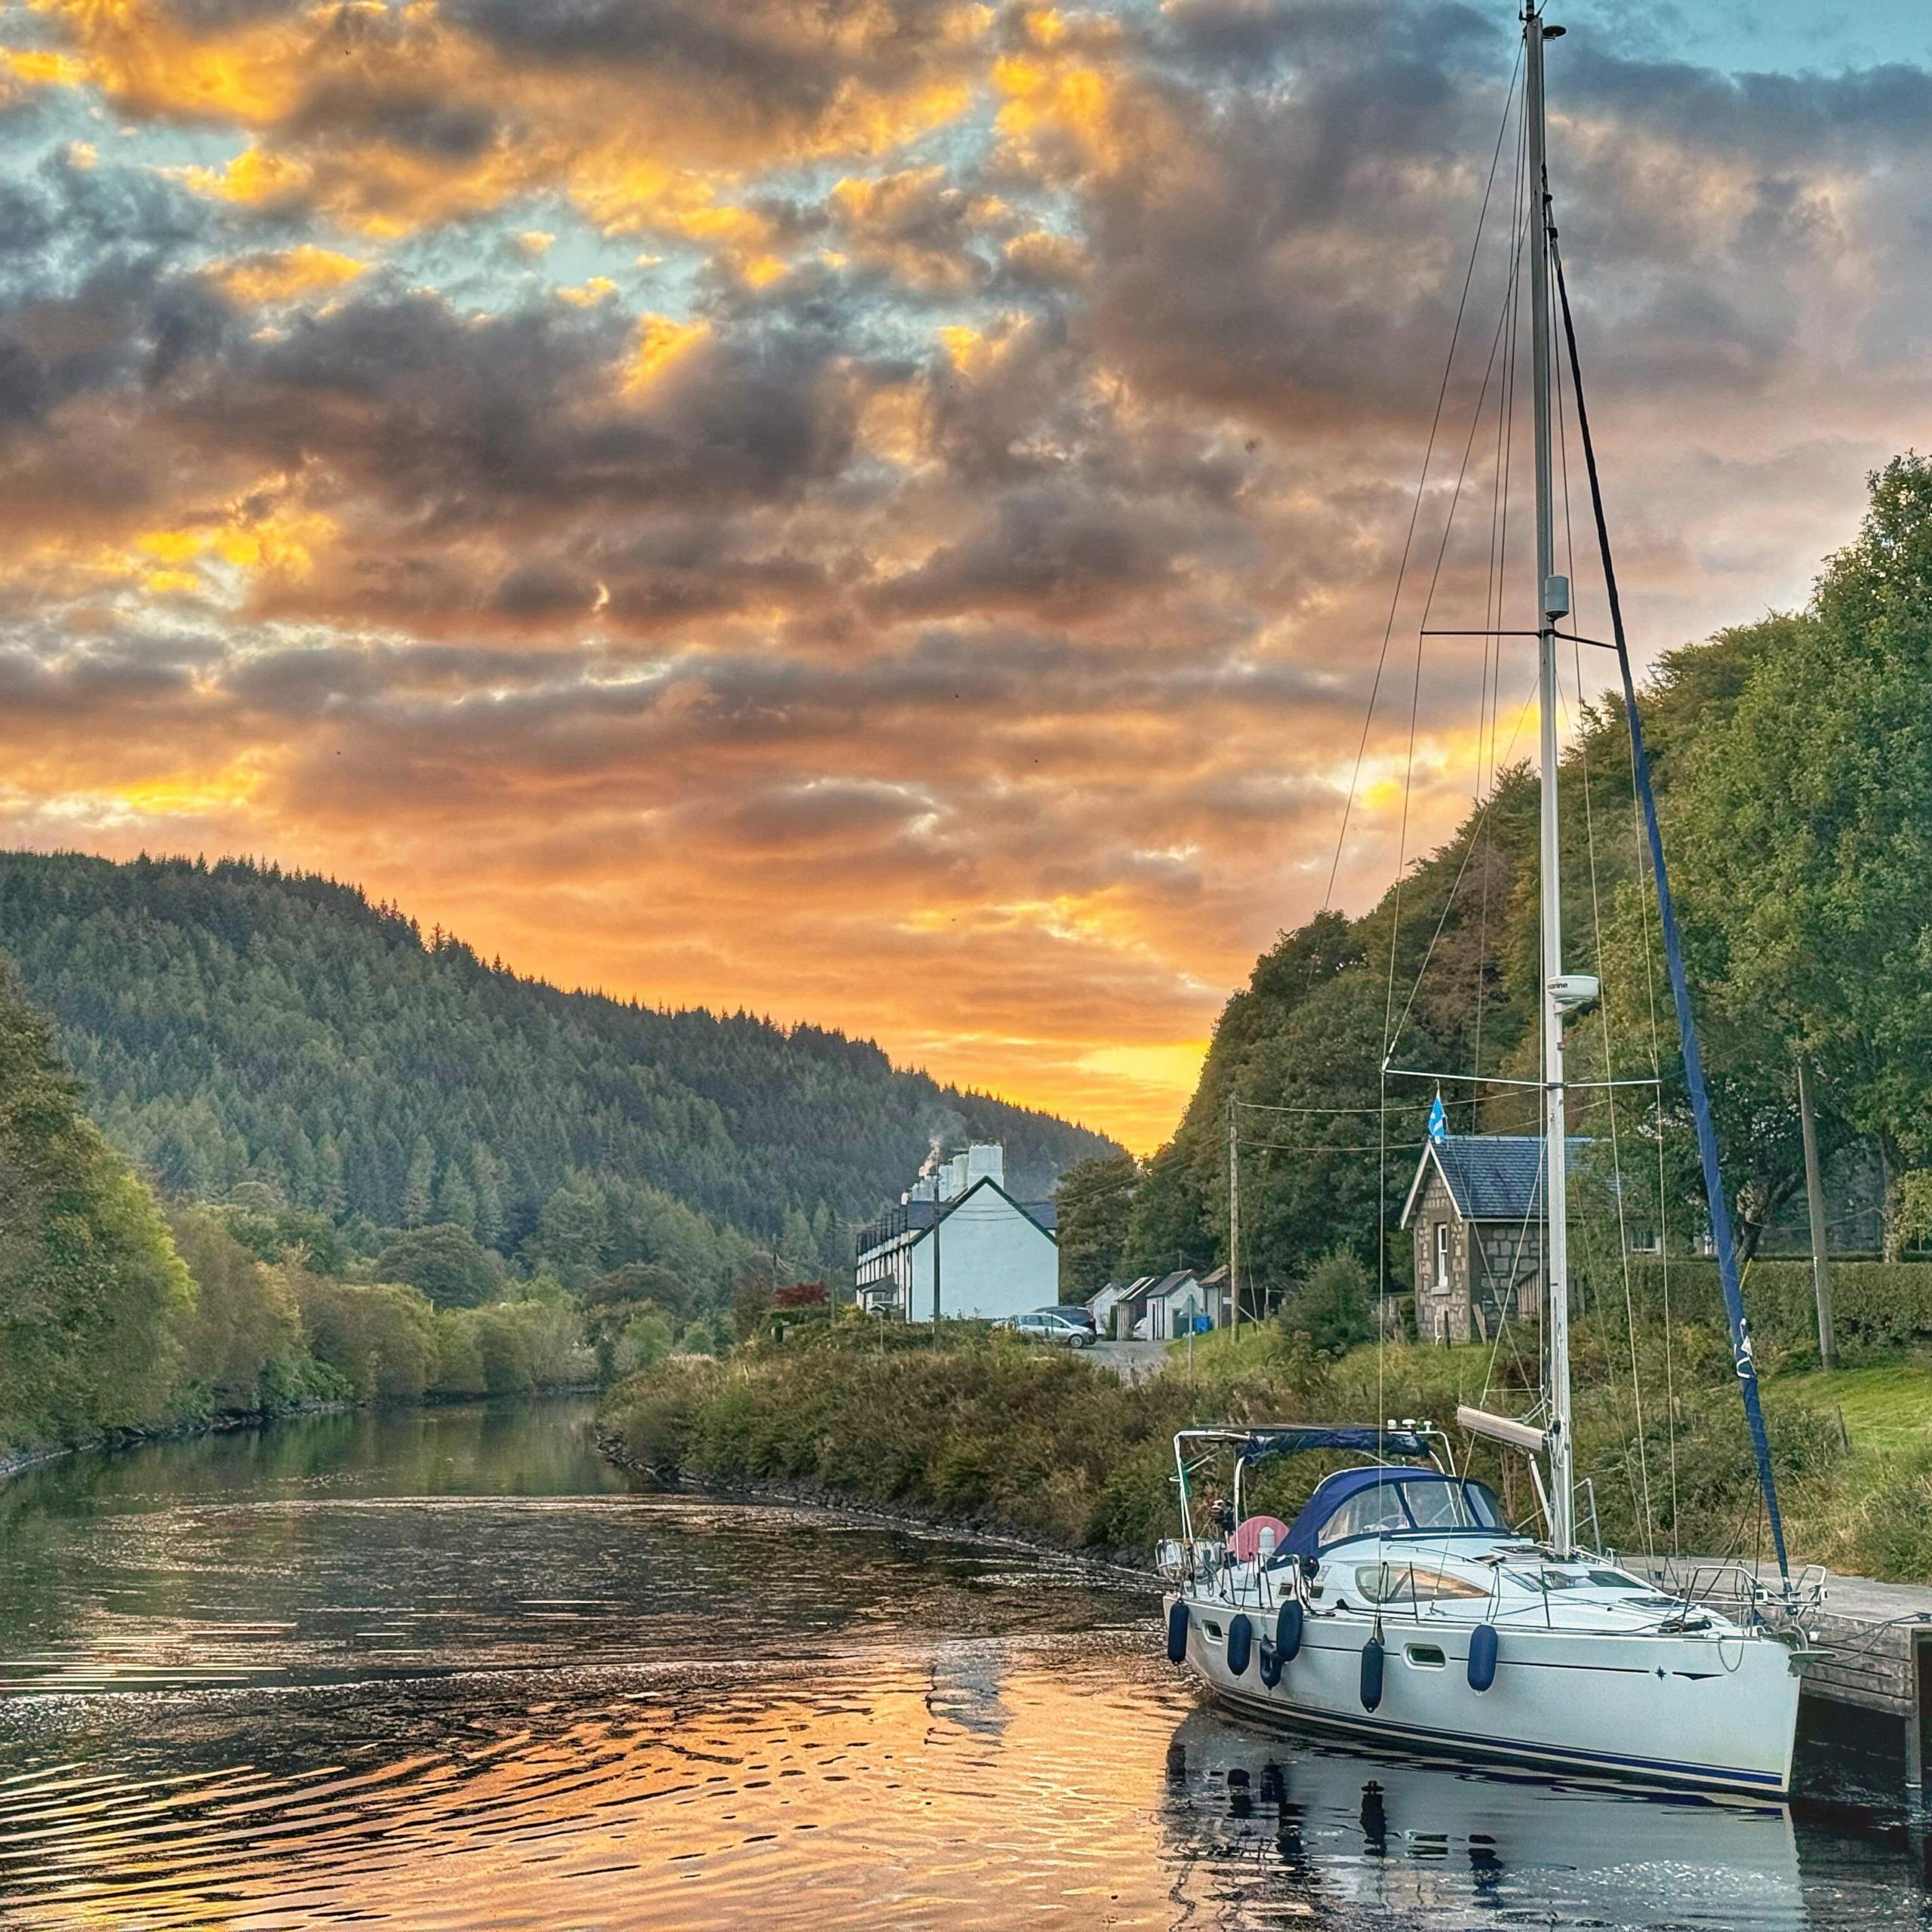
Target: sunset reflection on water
[{"x": 334, "y": 1680}]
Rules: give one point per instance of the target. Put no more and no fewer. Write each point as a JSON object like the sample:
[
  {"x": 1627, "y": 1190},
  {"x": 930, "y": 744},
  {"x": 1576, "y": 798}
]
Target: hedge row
[{"x": 1879, "y": 1308}]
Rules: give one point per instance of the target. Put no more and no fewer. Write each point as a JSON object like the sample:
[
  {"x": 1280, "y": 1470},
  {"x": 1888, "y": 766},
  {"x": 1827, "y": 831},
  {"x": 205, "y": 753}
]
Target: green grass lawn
[{"x": 1886, "y": 1411}]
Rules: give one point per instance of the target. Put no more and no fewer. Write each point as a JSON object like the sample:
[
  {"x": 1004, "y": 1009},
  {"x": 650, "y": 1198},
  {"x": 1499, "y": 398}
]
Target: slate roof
[
  {"x": 919, "y": 1218},
  {"x": 1490, "y": 1177}
]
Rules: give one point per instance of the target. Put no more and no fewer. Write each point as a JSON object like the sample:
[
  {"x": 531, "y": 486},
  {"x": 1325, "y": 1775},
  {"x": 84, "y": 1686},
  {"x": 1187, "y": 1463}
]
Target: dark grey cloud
[
  {"x": 398, "y": 113},
  {"x": 791, "y": 61},
  {"x": 456, "y": 420},
  {"x": 1048, "y": 551}
]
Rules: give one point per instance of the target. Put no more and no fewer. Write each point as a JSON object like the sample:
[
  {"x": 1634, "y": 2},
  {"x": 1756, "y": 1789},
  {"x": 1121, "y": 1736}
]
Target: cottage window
[{"x": 1442, "y": 1254}]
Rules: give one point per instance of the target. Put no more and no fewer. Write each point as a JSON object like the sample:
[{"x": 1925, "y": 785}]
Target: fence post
[{"x": 1814, "y": 1196}]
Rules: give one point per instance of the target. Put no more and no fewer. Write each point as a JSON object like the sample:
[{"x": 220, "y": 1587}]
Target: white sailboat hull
[{"x": 1715, "y": 1711}]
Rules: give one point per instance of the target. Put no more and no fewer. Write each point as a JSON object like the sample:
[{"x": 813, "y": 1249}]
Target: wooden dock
[
  {"x": 1865, "y": 1718},
  {"x": 1865, "y": 1715}
]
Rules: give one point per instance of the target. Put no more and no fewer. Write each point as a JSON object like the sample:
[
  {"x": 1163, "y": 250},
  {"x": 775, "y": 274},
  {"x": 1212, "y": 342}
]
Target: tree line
[
  {"x": 233, "y": 1025},
  {"x": 267, "y": 1144},
  {"x": 1793, "y": 762}
]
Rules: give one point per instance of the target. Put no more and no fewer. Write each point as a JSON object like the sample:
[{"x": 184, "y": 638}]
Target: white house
[{"x": 960, "y": 1245}]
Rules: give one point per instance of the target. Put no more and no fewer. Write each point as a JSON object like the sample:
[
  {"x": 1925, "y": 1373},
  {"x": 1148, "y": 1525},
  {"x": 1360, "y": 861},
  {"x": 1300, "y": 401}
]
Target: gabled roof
[
  {"x": 919, "y": 1218},
  {"x": 1172, "y": 1284},
  {"x": 950, "y": 1208},
  {"x": 1490, "y": 1176}
]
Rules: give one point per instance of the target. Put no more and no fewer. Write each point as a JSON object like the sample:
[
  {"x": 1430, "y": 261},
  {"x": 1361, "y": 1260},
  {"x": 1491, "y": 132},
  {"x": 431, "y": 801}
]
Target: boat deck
[{"x": 1864, "y": 1717}]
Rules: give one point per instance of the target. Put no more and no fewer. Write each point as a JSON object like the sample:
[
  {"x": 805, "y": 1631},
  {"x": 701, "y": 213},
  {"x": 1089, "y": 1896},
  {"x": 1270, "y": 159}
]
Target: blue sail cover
[{"x": 1265, "y": 1444}]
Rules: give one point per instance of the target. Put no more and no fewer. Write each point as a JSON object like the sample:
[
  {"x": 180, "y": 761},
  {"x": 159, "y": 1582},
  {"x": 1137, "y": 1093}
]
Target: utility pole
[
  {"x": 939, "y": 1214},
  {"x": 1234, "y": 1210},
  {"x": 1814, "y": 1201}
]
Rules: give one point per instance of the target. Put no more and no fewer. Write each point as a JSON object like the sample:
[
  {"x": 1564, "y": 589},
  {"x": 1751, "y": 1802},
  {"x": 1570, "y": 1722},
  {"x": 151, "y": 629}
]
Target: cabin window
[
  {"x": 1446, "y": 1506},
  {"x": 1398, "y": 1583},
  {"x": 1426, "y": 1656},
  {"x": 1442, "y": 1254},
  {"x": 1365, "y": 1512}
]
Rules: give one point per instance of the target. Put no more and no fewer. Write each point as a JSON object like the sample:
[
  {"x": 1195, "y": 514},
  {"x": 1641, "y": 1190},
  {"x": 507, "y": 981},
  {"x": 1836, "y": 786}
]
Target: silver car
[{"x": 1049, "y": 1325}]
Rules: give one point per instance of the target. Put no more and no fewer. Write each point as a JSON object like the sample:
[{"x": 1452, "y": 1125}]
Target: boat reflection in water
[{"x": 1286, "y": 1822}]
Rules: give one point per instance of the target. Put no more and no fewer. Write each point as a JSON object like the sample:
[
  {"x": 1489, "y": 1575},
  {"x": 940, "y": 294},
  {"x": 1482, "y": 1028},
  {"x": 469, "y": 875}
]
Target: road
[{"x": 1132, "y": 1361}]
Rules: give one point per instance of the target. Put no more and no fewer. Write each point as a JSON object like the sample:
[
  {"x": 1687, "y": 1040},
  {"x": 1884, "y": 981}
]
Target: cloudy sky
[{"x": 877, "y": 511}]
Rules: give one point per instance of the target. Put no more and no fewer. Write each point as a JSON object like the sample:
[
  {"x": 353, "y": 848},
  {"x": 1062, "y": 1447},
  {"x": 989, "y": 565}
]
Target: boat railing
[{"x": 1738, "y": 1588}]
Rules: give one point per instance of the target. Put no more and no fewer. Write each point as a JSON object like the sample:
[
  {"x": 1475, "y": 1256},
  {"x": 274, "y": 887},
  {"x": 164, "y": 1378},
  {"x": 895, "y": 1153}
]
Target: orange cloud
[
  {"x": 288, "y": 275},
  {"x": 882, "y": 514}
]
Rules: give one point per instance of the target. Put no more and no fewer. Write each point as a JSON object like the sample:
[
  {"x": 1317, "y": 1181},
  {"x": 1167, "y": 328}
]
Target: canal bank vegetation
[
  {"x": 979, "y": 1429},
  {"x": 118, "y": 1318}
]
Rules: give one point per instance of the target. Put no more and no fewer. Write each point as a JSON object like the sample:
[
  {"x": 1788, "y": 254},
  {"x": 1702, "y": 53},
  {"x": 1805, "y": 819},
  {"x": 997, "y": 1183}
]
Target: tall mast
[{"x": 1553, "y": 602}]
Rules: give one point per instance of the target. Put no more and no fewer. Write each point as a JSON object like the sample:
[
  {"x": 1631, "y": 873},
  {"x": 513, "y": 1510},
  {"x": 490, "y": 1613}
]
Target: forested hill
[
  {"x": 1793, "y": 758},
  {"x": 234, "y": 1023}
]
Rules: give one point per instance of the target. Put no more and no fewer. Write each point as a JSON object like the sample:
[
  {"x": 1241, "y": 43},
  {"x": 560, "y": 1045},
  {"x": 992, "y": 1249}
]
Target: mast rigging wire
[{"x": 1693, "y": 1069}]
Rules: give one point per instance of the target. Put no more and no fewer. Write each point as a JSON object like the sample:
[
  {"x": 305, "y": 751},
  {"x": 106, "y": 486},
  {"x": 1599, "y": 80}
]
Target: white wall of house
[
  {"x": 994, "y": 1261},
  {"x": 1177, "y": 1310}
]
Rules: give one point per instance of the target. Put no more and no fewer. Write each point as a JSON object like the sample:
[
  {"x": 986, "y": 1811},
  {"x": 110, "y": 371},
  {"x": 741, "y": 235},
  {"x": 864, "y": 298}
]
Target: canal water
[{"x": 441, "y": 1670}]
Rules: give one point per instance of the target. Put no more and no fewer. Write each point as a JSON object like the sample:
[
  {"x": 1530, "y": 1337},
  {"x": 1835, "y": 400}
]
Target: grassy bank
[{"x": 983, "y": 1430}]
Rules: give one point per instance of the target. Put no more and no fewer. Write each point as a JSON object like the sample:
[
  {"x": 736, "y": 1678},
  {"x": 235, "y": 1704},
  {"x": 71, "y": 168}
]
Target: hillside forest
[
  {"x": 1792, "y": 758},
  {"x": 272, "y": 1145}
]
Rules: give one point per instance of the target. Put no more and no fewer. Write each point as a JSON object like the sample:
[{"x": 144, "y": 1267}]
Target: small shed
[
  {"x": 1101, "y": 1303},
  {"x": 1170, "y": 1307},
  {"x": 1128, "y": 1307},
  {"x": 1475, "y": 1215}
]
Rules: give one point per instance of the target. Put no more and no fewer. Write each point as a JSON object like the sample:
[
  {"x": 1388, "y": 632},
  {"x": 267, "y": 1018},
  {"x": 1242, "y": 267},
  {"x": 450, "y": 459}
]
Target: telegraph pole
[
  {"x": 1814, "y": 1201},
  {"x": 1234, "y": 1209}
]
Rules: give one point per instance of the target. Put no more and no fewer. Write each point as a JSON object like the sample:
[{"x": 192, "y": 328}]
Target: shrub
[
  {"x": 1880, "y": 1308},
  {"x": 242, "y": 1321},
  {"x": 380, "y": 1338},
  {"x": 1333, "y": 1306}
]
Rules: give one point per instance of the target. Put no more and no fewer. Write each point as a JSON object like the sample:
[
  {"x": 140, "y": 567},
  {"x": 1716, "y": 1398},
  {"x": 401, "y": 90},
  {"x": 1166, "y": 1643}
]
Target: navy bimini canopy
[
  {"x": 1476, "y": 1503},
  {"x": 1264, "y": 1444}
]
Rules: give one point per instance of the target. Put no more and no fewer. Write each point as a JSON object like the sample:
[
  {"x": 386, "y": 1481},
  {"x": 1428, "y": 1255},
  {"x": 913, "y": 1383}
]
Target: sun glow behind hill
[{"x": 881, "y": 514}]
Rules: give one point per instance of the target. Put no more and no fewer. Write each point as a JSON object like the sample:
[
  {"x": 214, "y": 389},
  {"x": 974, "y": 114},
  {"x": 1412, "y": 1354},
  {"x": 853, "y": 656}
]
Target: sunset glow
[{"x": 879, "y": 513}]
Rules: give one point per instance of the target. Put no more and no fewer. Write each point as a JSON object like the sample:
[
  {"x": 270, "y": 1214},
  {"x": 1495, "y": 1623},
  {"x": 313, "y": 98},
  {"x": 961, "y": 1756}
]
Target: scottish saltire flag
[{"x": 1438, "y": 1120}]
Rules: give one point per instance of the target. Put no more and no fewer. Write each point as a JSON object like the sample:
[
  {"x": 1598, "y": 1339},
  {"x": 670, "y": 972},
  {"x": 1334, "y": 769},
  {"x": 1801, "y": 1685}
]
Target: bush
[
  {"x": 380, "y": 1338},
  {"x": 1332, "y": 1308},
  {"x": 459, "y": 1356},
  {"x": 242, "y": 1323},
  {"x": 973, "y": 1424},
  {"x": 646, "y": 1338}
]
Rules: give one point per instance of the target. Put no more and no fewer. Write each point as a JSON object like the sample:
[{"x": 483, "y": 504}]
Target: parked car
[
  {"x": 1074, "y": 1311},
  {"x": 1050, "y": 1324}
]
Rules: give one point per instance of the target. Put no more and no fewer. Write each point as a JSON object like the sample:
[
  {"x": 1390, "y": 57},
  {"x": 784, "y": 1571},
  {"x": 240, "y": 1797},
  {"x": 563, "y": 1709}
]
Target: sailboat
[{"x": 1401, "y": 1603}]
